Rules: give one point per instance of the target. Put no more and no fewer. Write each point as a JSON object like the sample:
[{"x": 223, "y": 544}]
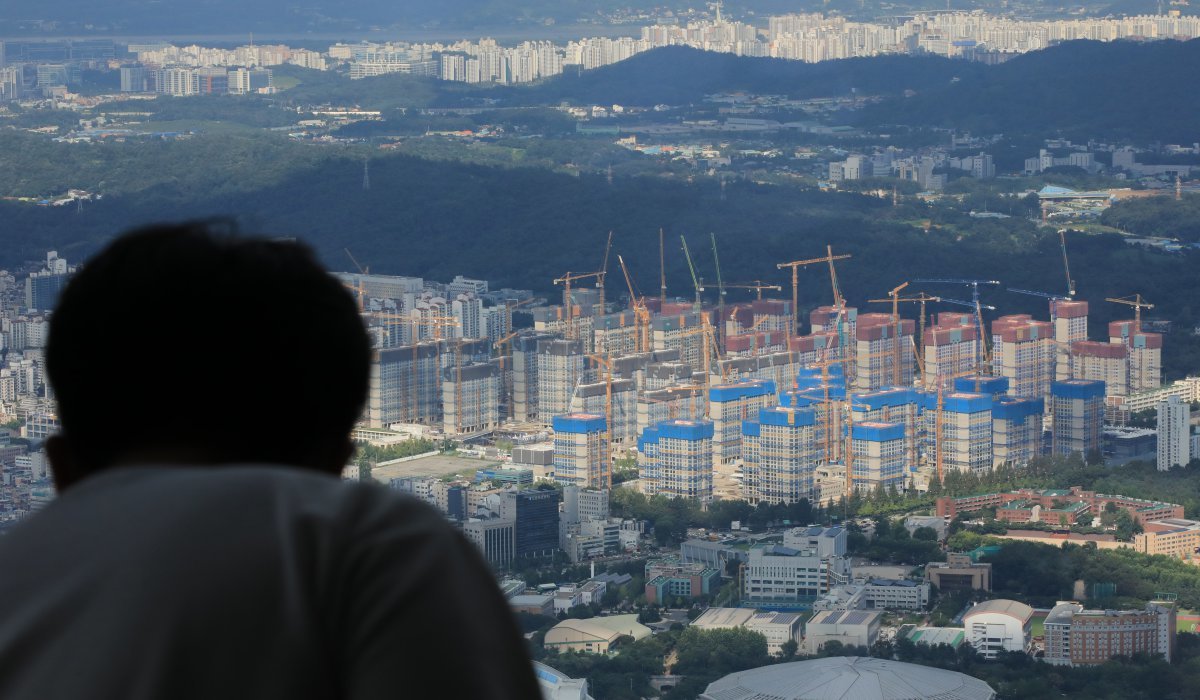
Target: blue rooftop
[
  {"x": 685, "y": 429},
  {"x": 578, "y": 423},
  {"x": 1078, "y": 389},
  {"x": 742, "y": 390}
]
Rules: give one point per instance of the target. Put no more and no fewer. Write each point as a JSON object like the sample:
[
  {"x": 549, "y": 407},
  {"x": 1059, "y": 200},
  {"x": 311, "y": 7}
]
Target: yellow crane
[
  {"x": 1138, "y": 303},
  {"x": 568, "y": 304},
  {"x": 795, "y": 266},
  {"x": 641, "y": 314}
]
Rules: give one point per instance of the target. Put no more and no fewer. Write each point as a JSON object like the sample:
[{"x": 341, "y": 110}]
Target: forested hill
[
  {"x": 682, "y": 75},
  {"x": 1122, "y": 90}
]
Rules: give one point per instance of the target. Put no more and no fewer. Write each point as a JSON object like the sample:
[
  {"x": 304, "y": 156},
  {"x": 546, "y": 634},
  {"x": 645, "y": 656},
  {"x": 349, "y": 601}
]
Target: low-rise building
[
  {"x": 534, "y": 604},
  {"x": 1172, "y": 537},
  {"x": 1078, "y": 637},
  {"x": 674, "y": 579},
  {"x": 850, "y": 628},
  {"x": 596, "y": 635},
  {"x": 778, "y": 627},
  {"x": 896, "y": 594},
  {"x": 959, "y": 573},
  {"x": 933, "y": 636},
  {"x": 994, "y": 626}
]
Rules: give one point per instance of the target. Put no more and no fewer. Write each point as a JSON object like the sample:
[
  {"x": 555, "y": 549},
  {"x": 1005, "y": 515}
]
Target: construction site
[{"x": 753, "y": 398}]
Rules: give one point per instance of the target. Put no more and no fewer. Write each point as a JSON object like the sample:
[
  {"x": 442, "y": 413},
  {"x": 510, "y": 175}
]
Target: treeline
[
  {"x": 1157, "y": 216},
  {"x": 1083, "y": 90}
]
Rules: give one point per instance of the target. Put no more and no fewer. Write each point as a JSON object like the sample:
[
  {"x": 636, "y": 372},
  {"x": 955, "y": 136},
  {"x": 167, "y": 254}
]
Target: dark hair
[{"x": 191, "y": 336}]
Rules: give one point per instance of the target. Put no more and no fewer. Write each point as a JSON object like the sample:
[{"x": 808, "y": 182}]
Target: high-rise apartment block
[
  {"x": 1017, "y": 430},
  {"x": 1145, "y": 354},
  {"x": 471, "y": 398},
  {"x": 780, "y": 455},
  {"x": 581, "y": 450},
  {"x": 884, "y": 352},
  {"x": 729, "y": 405},
  {"x": 1070, "y": 319},
  {"x": 1103, "y": 362},
  {"x": 1023, "y": 350},
  {"x": 405, "y": 386},
  {"x": 619, "y": 398},
  {"x": 965, "y": 433},
  {"x": 951, "y": 348},
  {"x": 1174, "y": 434},
  {"x": 560, "y": 368},
  {"x": 676, "y": 460},
  {"x": 1077, "y": 409},
  {"x": 877, "y": 456}
]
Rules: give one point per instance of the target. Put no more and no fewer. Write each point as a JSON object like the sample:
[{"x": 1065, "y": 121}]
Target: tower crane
[
  {"x": 795, "y": 265},
  {"x": 641, "y": 314},
  {"x": 758, "y": 286},
  {"x": 662, "y": 272},
  {"x": 981, "y": 347},
  {"x": 568, "y": 306},
  {"x": 720, "y": 293},
  {"x": 1138, "y": 303},
  {"x": 921, "y": 298},
  {"x": 692, "y": 269},
  {"x": 1062, "y": 239}
]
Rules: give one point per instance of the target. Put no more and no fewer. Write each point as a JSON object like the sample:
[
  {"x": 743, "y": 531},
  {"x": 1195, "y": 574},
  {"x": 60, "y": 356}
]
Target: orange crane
[
  {"x": 795, "y": 265},
  {"x": 606, "y": 364},
  {"x": 758, "y": 286},
  {"x": 709, "y": 351}
]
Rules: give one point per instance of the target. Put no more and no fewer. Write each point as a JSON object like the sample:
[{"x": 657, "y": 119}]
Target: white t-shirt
[{"x": 249, "y": 582}]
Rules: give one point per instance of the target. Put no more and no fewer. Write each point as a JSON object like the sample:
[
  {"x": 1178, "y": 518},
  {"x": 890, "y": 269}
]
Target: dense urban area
[{"x": 732, "y": 343}]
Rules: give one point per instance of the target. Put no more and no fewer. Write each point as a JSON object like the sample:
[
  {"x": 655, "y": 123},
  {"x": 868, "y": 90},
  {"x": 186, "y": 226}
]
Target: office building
[
  {"x": 1174, "y": 434},
  {"x": 779, "y": 455},
  {"x": 808, "y": 563},
  {"x": 667, "y": 580},
  {"x": 1077, "y": 409},
  {"x": 534, "y": 515},
  {"x": 495, "y": 538},
  {"x": 877, "y": 457},
  {"x": 581, "y": 450},
  {"x": 676, "y": 460},
  {"x": 729, "y": 406}
]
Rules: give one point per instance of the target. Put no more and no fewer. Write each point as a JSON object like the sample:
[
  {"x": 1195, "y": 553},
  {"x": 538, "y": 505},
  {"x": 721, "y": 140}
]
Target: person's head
[{"x": 190, "y": 344}]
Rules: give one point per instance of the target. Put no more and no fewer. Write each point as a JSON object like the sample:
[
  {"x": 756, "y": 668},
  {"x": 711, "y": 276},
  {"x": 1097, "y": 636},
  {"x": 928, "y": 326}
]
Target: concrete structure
[
  {"x": 1077, "y": 409},
  {"x": 951, "y": 348},
  {"x": 1174, "y": 434},
  {"x": 405, "y": 386},
  {"x": 959, "y": 573},
  {"x": 1078, "y": 637},
  {"x": 596, "y": 635},
  {"x": 729, "y": 406},
  {"x": 677, "y": 402},
  {"x": 619, "y": 398},
  {"x": 1017, "y": 430},
  {"x": 850, "y": 627},
  {"x": 896, "y": 594},
  {"x": 1145, "y": 354},
  {"x": 560, "y": 368},
  {"x": 675, "y": 459},
  {"x": 895, "y": 405},
  {"x": 495, "y": 538},
  {"x": 848, "y": 678},
  {"x": 525, "y": 376},
  {"x": 1102, "y": 362},
  {"x": 1023, "y": 351},
  {"x": 779, "y": 455},
  {"x": 581, "y": 450},
  {"x": 883, "y": 352},
  {"x": 994, "y": 626},
  {"x": 477, "y": 387},
  {"x": 877, "y": 456},
  {"x": 1070, "y": 326}
]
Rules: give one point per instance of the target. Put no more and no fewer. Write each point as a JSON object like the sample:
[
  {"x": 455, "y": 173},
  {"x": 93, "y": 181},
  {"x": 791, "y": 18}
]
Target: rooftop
[{"x": 847, "y": 678}]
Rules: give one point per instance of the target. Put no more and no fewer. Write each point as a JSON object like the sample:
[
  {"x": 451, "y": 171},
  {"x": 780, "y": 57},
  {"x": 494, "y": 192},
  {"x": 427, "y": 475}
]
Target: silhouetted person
[{"x": 203, "y": 545}]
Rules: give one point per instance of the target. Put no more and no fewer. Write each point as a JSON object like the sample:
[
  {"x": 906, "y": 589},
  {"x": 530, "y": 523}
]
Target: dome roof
[{"x": 848, "y": 678}]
